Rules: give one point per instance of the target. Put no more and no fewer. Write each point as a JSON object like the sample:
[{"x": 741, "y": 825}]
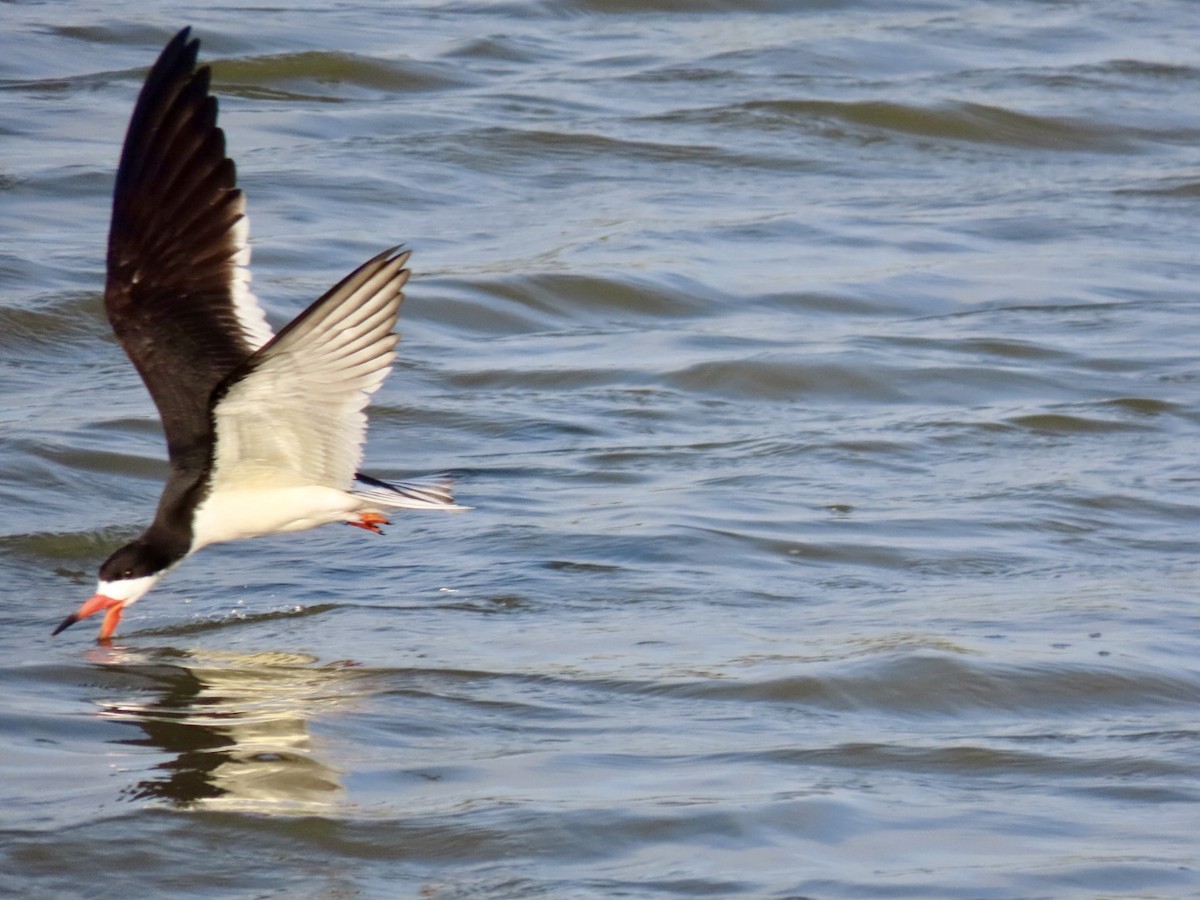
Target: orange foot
[{"x": 370, "y": 521}]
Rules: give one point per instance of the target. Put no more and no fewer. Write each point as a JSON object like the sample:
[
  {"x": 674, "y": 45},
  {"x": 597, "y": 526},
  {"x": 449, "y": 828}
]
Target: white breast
[{"x": 230, "y": 515}]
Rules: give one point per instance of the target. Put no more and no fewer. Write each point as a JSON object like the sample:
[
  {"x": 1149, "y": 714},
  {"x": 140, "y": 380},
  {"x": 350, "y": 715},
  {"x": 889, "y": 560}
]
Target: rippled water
[{"x": 824, "y": 378}]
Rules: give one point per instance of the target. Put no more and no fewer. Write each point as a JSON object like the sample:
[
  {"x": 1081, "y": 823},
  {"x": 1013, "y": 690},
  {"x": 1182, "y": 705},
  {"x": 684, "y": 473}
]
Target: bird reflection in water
[{"x": 235, "y": 727}]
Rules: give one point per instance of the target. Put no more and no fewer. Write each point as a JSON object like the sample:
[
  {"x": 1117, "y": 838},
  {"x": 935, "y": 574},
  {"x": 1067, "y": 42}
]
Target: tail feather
[{"x": 429, "y": 493}]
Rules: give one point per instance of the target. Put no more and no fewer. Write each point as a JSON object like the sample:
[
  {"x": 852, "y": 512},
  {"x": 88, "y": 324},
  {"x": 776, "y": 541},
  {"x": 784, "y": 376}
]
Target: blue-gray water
[{"x": 826, "y": 381}]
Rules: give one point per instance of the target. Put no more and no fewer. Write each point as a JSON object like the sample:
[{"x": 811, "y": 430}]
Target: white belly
[{"x": 230, "y": 515}]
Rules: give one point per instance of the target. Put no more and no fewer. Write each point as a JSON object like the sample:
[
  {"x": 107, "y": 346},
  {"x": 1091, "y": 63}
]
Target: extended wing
[
  {"x": 294, "y": 413},
  {"x": 176, "y": 292}
]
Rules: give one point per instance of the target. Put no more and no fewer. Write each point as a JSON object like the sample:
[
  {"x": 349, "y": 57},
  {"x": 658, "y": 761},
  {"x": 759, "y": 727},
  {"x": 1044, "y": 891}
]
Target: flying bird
[{"x": 264, "y": 432}]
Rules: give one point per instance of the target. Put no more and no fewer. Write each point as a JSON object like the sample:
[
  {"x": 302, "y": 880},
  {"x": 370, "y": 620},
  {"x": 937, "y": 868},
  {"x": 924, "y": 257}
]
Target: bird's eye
[{"x": 128, "y": 573}]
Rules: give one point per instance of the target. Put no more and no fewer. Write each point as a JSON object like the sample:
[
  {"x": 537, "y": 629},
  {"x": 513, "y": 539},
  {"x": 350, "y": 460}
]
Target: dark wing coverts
[{"x": 176, "y": 292}]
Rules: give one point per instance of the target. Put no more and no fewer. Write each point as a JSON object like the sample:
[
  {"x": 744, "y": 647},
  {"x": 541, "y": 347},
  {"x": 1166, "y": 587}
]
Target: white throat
[{"x": 128, "y": 590}]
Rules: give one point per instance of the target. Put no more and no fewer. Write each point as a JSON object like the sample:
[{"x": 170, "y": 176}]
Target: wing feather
[
  {"x": 176, "y": 292},
  {"x": 294, "y": 413}
]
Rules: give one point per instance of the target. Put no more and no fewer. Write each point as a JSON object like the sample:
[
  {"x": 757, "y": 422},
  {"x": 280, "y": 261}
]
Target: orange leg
[{"x": 370, "y": 521}]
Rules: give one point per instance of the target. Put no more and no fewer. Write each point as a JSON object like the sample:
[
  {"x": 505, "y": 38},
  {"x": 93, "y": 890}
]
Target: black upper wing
[{"x": 176, "y": 291}]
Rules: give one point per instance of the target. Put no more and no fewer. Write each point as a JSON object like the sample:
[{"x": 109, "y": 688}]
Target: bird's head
[{"x": 125, "y": 578}]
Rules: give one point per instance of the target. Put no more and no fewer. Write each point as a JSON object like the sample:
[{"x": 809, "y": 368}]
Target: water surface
[{"x": 824, "y": 378}]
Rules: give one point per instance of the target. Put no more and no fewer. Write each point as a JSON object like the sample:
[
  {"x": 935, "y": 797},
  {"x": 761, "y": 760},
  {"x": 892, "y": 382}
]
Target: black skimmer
[{"x": 264, "y": 432}]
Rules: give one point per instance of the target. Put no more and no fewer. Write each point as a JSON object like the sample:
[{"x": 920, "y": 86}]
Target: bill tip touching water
[{"x": 264, "y": 431}]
